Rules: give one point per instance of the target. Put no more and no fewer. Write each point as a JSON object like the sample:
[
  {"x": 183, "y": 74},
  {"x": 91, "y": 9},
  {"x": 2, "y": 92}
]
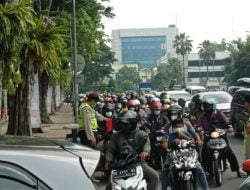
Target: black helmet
[
  {"x": 127, "y": 121},
  {"x": 118, "y": 106},
  {"x": 108, "y": 107},
  {"x": 174, "y": 112},
  {"x": 181, "y": 102},
  {"x": 209, "y": 105},
  {"x": 143, "y": 101}
]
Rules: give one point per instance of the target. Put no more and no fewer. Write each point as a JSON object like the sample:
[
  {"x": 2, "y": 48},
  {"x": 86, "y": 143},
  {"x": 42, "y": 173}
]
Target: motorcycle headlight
[{"x": 215, "y": 135}]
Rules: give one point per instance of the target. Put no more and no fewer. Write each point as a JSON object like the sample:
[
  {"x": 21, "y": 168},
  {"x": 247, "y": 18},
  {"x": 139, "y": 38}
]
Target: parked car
[
  {"x": 239, "y": 115},
  {"x": 222, "y": 98},
  {"x": 38, "y": 163},
  {"x": 195, "y": 89}
]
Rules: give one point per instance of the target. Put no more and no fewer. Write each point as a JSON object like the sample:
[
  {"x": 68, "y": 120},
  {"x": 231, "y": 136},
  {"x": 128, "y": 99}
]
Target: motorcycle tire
[{"x": 217, "y": 173}]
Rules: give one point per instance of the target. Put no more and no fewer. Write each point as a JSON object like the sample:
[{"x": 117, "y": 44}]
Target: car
[
  {"x": 232, "y": 89},
  {"x": 239, "y": 115},
  {"x": 195, "y": 89},
  {"x": 222, "y": 98},
  {"x": 177, "y": 94},
  {"x": 39, "y": 163}
]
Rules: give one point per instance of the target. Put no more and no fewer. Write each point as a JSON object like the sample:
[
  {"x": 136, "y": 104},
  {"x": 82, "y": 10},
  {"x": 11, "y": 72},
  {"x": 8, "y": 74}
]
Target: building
[
  {"x": 143, "y": 46},
  {"x": 197, "y": 69},
  {"x": 145, "y": 75}
]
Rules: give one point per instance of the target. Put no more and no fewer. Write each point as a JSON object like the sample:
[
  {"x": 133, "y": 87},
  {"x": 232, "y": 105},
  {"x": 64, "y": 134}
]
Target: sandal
[{"x": 241, "y": 174}]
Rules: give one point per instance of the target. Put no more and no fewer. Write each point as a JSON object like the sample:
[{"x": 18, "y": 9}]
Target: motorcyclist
[
  {"x": 124, "y": 102},
  {"x": 210, "y": 119},
  {"x": 144, "y": 105},
  {"x": 156, "y": 119},
  {"x": 178, "y": 133},
  {"x": 118, "y": 109},
  {"x": 165, "y": 101},
  {"x": 129, "y": 135}
]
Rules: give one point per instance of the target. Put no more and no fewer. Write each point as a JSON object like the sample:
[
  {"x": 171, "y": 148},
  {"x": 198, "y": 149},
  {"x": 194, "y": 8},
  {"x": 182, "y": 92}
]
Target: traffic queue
[{"x": 143, "y": 139}]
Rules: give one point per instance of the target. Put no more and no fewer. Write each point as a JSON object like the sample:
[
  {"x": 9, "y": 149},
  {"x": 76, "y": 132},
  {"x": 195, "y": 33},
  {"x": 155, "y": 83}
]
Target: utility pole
[{"x": 75, "y": 64}]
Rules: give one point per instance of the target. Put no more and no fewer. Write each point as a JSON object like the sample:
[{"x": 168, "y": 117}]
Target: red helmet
[
  {"x": 137, "y": 102},
  {"x": 155, "y": 105},
  {"x": 132, "y": 103},
  {"x": 108, "y": 101},
  {"x": 246, "y": 165}
]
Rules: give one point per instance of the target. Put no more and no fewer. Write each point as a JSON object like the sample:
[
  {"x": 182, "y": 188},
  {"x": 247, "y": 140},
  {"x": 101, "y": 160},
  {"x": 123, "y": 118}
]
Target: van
[{"x": 239, "y": 115}]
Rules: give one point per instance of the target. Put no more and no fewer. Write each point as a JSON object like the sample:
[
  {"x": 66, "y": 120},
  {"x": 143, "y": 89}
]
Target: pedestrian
[
  {"x": 87, "y": 120},
  {"x": 247, "y": 129}
]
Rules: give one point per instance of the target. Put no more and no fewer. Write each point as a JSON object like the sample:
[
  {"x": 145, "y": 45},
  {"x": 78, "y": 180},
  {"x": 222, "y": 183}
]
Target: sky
[{"x": 200, "y": 19}]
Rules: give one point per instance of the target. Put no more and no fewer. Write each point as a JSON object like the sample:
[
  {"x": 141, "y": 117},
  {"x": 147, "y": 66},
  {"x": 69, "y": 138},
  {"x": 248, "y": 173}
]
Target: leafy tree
[
  {"x": 127, "y": 85},
  {"x": 129, "y": 74},
  {"x": 166, "y": 73},
  {"x": 222, "y": 46},
  {"x": 207, "y": 53},
  {"x": 183, "y": 46},
  {"x": 240, "y": 66}
]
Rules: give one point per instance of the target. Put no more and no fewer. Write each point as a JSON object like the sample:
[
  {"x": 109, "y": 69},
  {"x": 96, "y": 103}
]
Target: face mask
[
  {"x": 108, "y": 114},
  {"x": 157, "y": 112},
  {"x": 173, "y": 117},
  {"x": 132, "y": 108},
  {"x": 178, "y": 130}
]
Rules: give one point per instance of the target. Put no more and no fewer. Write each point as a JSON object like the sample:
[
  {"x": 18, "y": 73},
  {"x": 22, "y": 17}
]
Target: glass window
[
  {"x": 239, "y": 98},
  {"x": 220, "y": 98},
  {"x": 14, "y": 177}
]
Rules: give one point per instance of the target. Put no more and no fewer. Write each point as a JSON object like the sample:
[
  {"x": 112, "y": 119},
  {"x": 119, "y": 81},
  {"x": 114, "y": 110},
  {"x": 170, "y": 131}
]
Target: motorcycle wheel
[{"x": 217, "y": 172}]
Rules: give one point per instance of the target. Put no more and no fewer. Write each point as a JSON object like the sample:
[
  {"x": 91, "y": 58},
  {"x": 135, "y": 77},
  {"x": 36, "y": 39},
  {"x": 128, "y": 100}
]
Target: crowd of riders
[{"x": 109, "y": 122}]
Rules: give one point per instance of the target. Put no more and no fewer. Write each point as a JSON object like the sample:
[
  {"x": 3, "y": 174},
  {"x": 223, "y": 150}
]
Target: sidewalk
[{"x": 55, "y": 130}]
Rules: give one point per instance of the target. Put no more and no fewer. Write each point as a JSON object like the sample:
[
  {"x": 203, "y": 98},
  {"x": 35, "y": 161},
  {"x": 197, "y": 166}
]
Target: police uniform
[{"x": 87, "y": 123}]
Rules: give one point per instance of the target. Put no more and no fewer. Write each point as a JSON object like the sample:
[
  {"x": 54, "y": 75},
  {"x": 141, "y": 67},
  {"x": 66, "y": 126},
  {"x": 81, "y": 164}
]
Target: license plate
[{"x": 124, "y": 173}]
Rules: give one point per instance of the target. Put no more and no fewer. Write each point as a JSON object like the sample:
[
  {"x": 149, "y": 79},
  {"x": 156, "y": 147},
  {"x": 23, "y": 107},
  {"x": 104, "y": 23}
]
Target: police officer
[{"x": 87, "y": 120}]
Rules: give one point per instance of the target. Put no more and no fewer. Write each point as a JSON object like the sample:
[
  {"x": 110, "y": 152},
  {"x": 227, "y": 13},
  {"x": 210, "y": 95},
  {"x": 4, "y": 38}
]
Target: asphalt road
[{"x": 230, "y": 181}]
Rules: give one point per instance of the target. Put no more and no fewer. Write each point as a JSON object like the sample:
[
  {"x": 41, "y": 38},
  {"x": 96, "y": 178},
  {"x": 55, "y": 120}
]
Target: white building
[
  {"x": 197, "y": 69},
  {"x": 143, "y": 46}
]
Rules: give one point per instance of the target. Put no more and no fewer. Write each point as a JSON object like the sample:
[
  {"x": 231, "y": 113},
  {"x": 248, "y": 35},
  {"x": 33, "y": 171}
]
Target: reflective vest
[{"x": 94, "y": 124}]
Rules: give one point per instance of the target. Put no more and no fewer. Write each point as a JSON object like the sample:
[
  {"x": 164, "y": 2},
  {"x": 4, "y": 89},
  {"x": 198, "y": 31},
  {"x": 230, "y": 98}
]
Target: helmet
[
  {"x": 174, "y": 111},
  {"x": 155, "y": 99},
  {"x": 127, "y": 121},
  {"x": 209, "y": 105},
  {"x": 155, "y": 105},
  {"x": 118, "y": 106},
  {"x": 143, "y": 101},
  {"x": 132, "y": 103},
  {"x": 137, "y": 102},
  {"x": 246, "y": 165},
  {"x": 108, "y": 100},
  {"x": 108, "y": 107},
  {"x": 181, "y": 102}
]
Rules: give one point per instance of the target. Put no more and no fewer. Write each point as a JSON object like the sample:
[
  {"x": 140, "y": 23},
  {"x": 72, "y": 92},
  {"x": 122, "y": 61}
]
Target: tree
[
  {"x": 39, "y": 51},
  {"x": 14, "y": 20},
  {"x": 207, "y": 53},
  {"x": 183, "y": 46},
  {"x": 127, "y": 85},
  {"x": 100, "y": 68},
  {"x": 166, "y": 73},
  {"x": 129, "y": 74},
  {"x": 240, "y": 66}
]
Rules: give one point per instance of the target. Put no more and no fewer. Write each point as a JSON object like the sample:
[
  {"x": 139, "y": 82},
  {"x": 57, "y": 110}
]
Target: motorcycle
[
  {"x": 216, "y": 146},
  {"x": 157, "y": 155},
  {"x": 183, "y": 160},
  {"x": 127, "y": 173}
]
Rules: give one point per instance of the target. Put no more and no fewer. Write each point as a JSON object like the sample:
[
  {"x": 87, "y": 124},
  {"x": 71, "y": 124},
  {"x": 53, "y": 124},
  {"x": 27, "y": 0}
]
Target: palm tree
[
  {"x": 39, "y": 52},
  {"x": 207, "y": 53},
  {"x": 183, "y": 46},
  {"x": 14, "y": 20}
]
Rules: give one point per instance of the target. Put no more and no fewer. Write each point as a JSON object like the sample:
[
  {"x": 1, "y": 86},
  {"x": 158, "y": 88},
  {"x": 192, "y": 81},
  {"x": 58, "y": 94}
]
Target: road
[{"x": 230, "y": 181}]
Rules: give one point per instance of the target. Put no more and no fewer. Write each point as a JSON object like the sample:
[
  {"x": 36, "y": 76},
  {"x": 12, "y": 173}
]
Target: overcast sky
[{"x": 200, "y": 19}]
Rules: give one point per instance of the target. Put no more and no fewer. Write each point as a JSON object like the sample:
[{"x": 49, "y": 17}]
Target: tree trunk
[
  {"x": 20, "y": 103},
  {"x": 1, "y": 86},
  {"x": 53, "y": 101},
  {"x": 43, "y": 90}
]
